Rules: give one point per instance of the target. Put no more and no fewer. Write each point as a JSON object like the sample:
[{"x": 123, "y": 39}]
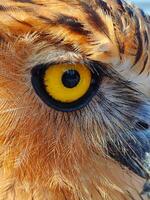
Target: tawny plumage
[{"x": 47, "y": 154}]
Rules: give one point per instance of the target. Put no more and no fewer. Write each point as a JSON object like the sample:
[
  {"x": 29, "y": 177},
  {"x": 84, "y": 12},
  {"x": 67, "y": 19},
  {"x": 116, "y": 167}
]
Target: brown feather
[{"x": 44, "y": 154}]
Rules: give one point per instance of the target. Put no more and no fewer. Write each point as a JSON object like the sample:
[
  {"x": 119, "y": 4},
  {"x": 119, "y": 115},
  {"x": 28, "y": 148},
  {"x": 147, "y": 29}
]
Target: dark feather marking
[
  {"x": 95, "y": 20},
  {"x": 99, "y": 192},
  {"x": 143, "y": 14},
  {"x": 70, "y": 22},
  {"x": 130, "y": 11},
  {"x": 140, "y": 46},
  {"x": 146, "y": 38},
  {"x": 145, "y": 63},
  {"x": 121, "y": 45},
  {"x": 24, "y": 1},
  {"x": 45, "y": 19},
  {"x": 16, "y": 9},
  {"x": 121, "y": 5},
  {"x": 2, "y": 8},
  {"x": 104, "y": 6},
  {"x": 29, "y": 1},
  {"x": 22, "y": 22},
  {"x": 73, "y": 24},
  {"x": 7, "y": 8},
  {"x": 118, "y": 23}
]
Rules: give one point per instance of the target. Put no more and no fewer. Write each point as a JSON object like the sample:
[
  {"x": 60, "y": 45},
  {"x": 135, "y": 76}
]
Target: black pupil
[{"x": 70, "y": 78}]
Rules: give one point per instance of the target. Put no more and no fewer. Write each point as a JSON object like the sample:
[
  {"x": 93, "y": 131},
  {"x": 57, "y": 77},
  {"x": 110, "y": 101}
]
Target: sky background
[{"x": 144, "y": 4}]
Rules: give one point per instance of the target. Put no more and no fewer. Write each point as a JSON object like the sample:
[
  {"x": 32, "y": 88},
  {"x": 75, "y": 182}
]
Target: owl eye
[{"x": 65, "y": 87}]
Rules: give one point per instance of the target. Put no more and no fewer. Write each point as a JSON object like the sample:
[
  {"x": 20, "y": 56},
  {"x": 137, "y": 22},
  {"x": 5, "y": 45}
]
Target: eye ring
[{"x": 37, "y": 77}]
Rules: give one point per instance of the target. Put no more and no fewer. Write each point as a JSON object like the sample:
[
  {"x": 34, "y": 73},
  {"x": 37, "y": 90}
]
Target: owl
[{"x": 74, "y": 100}]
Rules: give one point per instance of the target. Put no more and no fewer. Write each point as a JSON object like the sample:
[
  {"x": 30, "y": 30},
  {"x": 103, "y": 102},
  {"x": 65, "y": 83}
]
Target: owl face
[{"x": 73, "y": 83}]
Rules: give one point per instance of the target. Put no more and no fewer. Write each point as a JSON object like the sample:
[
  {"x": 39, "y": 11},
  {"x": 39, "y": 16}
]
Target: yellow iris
[{"x": 56, "y": 88}]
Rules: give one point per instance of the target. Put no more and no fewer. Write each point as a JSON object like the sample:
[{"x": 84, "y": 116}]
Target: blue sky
[{"x": 145, "y": 4}]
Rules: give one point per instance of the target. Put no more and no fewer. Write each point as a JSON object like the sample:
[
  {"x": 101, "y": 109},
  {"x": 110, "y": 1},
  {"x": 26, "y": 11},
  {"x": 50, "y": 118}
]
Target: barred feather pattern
[{"x": 49, "y": 155}]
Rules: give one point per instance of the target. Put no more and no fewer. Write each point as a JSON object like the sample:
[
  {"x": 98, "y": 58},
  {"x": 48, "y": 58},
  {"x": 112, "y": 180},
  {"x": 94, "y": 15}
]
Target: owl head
[{"x": 74, "y": 99}]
